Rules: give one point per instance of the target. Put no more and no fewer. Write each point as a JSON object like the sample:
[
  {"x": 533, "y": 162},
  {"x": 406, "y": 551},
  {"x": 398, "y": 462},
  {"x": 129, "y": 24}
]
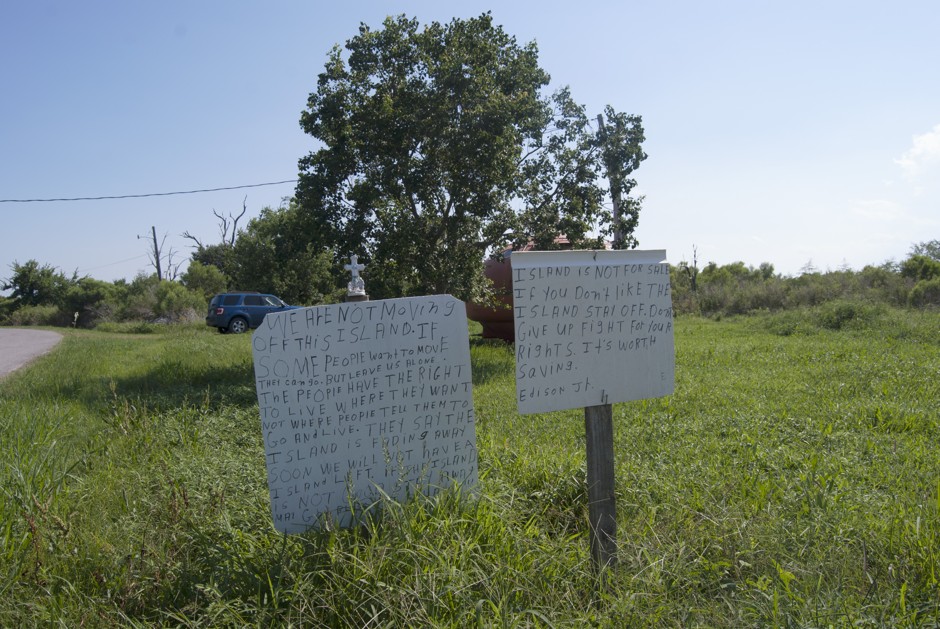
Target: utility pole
[
  {"x": 614, "y": 182},
  {"x": 156, "y": 252}
]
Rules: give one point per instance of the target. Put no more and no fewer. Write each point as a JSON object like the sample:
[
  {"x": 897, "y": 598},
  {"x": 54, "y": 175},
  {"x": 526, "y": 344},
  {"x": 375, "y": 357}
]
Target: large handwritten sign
[
  {"x": 361, "y": 399},
  {"x": 592, "y": 327}
]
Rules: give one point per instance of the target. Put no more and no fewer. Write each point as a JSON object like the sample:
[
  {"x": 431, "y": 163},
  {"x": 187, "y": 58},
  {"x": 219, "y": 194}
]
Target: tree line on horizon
[
  {"x": 737, "y": 289},
  {"x": 43, "y": 295}
]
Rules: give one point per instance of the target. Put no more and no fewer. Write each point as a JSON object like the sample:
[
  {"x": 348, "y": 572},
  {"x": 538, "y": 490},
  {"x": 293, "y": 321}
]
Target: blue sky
[{"x": 784, "y": 132}]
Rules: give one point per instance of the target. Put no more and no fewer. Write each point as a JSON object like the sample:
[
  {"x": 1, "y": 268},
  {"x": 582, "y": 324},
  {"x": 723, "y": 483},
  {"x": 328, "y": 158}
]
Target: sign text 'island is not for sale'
[{"x": 592, "y": 328}]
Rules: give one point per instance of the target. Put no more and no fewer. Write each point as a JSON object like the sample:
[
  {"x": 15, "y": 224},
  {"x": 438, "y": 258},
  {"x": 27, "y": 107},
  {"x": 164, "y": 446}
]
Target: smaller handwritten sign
[
  {"x": 592, "y": 327},
  {"x": 360, "y": 400}
]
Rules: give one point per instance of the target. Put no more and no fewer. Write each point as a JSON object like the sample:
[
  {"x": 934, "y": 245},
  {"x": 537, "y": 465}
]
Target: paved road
[{"x": 18, "y": 347}]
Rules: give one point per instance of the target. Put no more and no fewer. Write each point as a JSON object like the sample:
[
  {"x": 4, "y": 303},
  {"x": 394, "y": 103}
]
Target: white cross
[
  {"x": 356, "y": 286},
  {"x": 354, "y": 266}
]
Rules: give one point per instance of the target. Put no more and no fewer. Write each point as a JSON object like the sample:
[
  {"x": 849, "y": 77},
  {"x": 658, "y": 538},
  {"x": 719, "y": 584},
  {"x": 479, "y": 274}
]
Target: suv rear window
[
  {"x": 253, "y": 300},
  {"x": 230, "y": 300}
]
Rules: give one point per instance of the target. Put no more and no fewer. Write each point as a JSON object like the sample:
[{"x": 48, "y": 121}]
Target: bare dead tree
[
  {"x": 172, "y": 267},
  {"x": 199, "y": 245},
  {"x": 228, "y": 227},
  {"x": 154, "y": 252},
  {"x": 157, "y": 256},
  {"x": 691, "y": 270}
]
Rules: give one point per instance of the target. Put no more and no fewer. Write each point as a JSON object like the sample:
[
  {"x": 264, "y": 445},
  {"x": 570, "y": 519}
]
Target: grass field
[{"x": 793, "y": 479}]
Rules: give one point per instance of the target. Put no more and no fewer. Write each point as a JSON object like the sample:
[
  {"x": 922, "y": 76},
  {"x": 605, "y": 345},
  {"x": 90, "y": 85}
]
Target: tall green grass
[{"x": 791, "y": 480}]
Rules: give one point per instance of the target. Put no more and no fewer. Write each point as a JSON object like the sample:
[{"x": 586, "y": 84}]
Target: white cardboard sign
[
  {"x": 360, "y": 399},
  {"x": 592, "y": 327}
]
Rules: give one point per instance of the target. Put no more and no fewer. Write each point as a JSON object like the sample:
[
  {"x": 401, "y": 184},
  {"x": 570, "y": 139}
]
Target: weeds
[{"x": 790, "y": 480}]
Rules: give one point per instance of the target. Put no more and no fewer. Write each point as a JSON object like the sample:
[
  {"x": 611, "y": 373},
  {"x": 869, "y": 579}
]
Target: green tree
[
  {"x": 929, "y": 248},
  {"x": 147, "y": 298},
  {"x": 735, "y": 272},
  {"x": 920, "y": 267},
  {"x": 35, "y": 285},
  {"x": 139, "y": 300},
  {"x": 275, "y": 255},
  {"x": 175, "y": 303},
  {"x": 218, "y": 255},
  {"x": 620, "y": 142},
  {"x": 92, "y": 299},
  {"x": 766, "y": 270},
  {"x": 204, "y": 279},
  {"x": 433, "y": 139}
]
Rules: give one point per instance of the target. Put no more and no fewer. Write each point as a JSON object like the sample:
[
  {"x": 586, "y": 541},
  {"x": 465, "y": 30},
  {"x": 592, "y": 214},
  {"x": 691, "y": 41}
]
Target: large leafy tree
[{"x": 439, "y": 144}]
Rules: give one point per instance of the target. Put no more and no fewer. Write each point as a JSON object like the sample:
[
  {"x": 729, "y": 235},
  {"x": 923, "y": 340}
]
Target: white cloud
[{"x": 925, "y": 150}]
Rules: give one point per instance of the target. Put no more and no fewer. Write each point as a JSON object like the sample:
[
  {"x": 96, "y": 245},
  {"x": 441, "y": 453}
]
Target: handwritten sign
[
  {"x": 592, "y": 327},
  {"x": 363, "y": 399}
]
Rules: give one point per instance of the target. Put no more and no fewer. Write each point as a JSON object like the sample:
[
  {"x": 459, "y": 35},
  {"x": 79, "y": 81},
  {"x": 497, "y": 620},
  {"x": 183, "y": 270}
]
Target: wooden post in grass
[{"x": 602, "y": 508}]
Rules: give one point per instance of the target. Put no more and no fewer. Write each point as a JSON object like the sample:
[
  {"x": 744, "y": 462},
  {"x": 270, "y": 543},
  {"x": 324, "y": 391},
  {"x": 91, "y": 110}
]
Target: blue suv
[{"x": 239, "y": 312}]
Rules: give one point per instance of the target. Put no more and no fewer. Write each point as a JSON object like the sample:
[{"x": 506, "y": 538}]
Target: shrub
[
  {"x": 789, "y": 322},
  {"x": 7, "y": 306},
  {"x": 130, "y": 327},
  {"x": 925, "y": 293},
  {"x": 204, "y": 279},
  {"x": 149, "y": 299},
  {"x": 809, "y": 289},
  {"x": 37, "y": 315},
  {"x": 839, "y": 314},
  {"x": 754, "y": 296},
  {"x": 712, "y": 299},
  {"x": 89, "y": 298},
  {"x": 882, "y": 283},
  {"x": 176, "y": 303}
]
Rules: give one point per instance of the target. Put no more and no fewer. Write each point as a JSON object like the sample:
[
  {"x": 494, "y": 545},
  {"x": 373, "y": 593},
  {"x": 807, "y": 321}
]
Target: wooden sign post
[
  {"x": 602, "y": 504},
  {"x": 593, "y": 328}
]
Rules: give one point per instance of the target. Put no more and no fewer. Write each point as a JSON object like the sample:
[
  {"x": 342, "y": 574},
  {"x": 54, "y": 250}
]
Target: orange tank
[{"x": 497, "y": 322}]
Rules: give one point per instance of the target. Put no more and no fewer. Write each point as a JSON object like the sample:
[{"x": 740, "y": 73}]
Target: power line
[
  {"x": 151, "y": 194},
  {"x": 95, "y": 268}
]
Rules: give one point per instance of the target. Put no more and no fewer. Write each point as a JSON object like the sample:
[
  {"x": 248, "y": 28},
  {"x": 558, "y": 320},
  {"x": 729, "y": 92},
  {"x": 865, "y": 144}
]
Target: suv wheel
[{"x": 237, "y": 325}]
